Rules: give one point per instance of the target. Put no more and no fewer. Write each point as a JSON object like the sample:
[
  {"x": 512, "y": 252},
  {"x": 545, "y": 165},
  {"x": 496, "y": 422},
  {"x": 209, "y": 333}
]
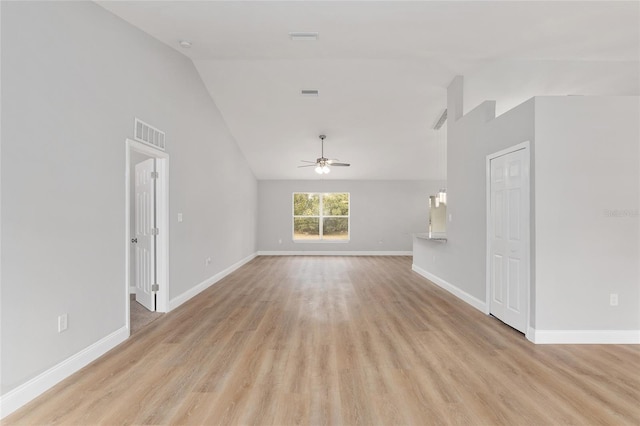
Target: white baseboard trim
[
  {"x": 585, "y": 337},
  {"x": 460, "y": 294},
  {"x": 132, "y": 289},
  {"x": 335, "y": 253},
  {"x": 179, "y": 300},
  {"x": 24, "y": 393}
]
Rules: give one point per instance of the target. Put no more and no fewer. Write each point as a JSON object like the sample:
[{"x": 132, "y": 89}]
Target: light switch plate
[
  {"x": 613, "y": 299},
  {"x": 62, "y": 323}
]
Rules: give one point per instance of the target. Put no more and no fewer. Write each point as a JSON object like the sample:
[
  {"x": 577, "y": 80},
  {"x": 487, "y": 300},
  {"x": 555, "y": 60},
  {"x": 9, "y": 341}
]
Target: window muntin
[{"x": 321, "y": 216}]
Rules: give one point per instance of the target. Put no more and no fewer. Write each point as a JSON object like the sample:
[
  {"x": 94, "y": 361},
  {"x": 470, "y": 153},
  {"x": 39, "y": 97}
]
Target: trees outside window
[{"x": 321, "y": 216}]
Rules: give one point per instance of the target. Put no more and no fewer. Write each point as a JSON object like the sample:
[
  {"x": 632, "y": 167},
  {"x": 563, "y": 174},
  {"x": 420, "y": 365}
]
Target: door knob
[{"x": 134, "y": 240}]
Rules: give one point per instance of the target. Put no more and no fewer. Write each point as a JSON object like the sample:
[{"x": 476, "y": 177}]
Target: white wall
[
  {"x": 584, "y": 212},
  {"x": 74, "y": 77},
  {"x": 587, "y": 200},
  {"x": 461, "y": 260},
  {"x": 384, "y": 214}
]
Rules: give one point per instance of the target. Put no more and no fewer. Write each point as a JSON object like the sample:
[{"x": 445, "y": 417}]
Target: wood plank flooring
[{"x": 341, "y": 340}]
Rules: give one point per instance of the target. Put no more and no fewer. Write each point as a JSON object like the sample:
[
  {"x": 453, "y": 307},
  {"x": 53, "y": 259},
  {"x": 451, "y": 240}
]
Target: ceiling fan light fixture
[{"x": 322, "y": 165}]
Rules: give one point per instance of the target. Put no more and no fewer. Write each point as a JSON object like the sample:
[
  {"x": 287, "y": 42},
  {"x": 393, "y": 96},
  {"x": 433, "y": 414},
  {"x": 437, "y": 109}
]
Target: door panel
[
  {"x": 144, "y": 230},
  {"x": 497, "y": 218},
  {"x": 496, "y": 281},
  {"x": 514, "y": 214},
  {"x": 509, "y": 238},
  {"x": 513, "y": 291}
]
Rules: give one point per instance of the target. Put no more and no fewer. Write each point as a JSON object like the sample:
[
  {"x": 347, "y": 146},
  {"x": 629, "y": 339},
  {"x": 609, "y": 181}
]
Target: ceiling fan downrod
[{"x": 322, "y": 167}]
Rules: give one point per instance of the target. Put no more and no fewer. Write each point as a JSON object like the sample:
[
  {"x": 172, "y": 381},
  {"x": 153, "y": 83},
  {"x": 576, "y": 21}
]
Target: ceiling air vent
[
  {"x": 303, "y": 36},
  {"x": 309, "y": 92},
  {"x": 148, "y": 134}
]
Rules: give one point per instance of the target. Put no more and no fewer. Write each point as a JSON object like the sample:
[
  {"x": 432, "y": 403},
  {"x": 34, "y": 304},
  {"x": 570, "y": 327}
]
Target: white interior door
[
  {"x": 509, "y": 238},
  {"x": 145, "y": 231}
]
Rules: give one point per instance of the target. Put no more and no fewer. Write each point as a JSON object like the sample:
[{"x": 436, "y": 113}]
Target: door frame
[
  {"x": 526, "y": 146},
  {"x": 162, "y": 223}
]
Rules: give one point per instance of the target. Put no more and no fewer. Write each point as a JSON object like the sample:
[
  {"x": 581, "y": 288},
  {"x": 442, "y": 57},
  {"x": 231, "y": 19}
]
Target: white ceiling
[{"x": 382, "y": 69}]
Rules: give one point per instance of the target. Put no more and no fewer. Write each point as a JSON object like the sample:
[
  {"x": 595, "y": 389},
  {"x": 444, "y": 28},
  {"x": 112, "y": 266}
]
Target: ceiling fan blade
[
  {"x": 340, "y": 164},
  {"x": 307, "y": 161},
  {"x": 308, "y": 165}
]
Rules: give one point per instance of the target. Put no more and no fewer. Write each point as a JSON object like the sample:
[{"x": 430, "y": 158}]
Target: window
[{"x": 321, "y": 217}]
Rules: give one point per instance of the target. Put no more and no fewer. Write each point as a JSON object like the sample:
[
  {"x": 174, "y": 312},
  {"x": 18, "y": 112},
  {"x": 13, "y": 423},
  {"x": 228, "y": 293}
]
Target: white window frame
[{"x": 320, "y": 217}]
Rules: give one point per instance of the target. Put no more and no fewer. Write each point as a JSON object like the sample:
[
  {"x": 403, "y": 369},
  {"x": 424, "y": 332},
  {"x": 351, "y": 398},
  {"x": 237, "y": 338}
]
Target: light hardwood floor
[{"x": 341, "y": 340}]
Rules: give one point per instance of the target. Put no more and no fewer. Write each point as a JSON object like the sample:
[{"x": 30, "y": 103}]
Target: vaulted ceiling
[{"x": 382, "y": 68}]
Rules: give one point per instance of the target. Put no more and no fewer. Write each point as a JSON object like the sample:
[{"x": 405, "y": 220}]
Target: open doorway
[{"x": 147, "y": 231}]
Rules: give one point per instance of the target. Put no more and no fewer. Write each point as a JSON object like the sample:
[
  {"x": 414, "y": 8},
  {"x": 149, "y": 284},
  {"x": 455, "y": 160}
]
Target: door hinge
[
  {"x": 155, "y": 287},
  {"x": 154, "y": 175},
  {"x": 155, "y": 231}
]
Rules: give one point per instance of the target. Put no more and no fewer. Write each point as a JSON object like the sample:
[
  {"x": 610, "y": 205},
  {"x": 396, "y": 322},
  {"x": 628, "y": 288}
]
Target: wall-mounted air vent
[
  {"x": 148, "y": 134},
  {"x": 309, "y": 92}
]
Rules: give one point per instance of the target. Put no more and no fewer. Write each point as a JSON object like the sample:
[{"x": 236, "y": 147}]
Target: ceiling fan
[{"x": 322, "y": 164}]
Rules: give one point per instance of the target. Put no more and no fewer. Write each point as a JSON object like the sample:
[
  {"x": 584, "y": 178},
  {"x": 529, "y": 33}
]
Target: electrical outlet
[
  {"x": 207, "y": 261},
  {"x": 179, "y": 217},
  {"x": 62, "y": 323},
  {"x": 613, "y": 299}
]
